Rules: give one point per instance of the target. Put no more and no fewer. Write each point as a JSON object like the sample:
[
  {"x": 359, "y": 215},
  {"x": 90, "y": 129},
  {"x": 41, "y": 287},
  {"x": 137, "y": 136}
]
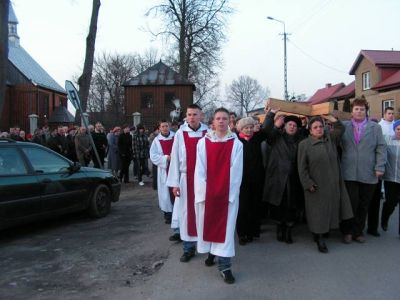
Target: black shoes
[
  {"x": 288, "y": 235},
  {"x": 284, "y": 233},
  {"x": 374, "y": 233},
  {"x": 384, "y": 225},
  {"x": 175, "y": 238},
  {"x": 186, "y": 256},
  {"x": 243, "y": 240},
  {"x": 280, "y": 233},
  {"x": 227, "y": 276},
  {"x": 210, "y": 260}
]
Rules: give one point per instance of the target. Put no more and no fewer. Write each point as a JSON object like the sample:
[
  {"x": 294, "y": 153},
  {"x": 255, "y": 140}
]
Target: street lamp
[{"x": 285, "y": 55}]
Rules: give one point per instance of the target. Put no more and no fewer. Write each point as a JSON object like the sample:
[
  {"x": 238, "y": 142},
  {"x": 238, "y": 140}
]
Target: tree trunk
[
  {"x": 86, "y": 77},
  {"x": 4, "y": 8}
]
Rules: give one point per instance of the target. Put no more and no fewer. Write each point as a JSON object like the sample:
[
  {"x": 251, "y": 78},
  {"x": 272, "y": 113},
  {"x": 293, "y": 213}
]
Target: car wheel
[{"x": 100, "y": 204}]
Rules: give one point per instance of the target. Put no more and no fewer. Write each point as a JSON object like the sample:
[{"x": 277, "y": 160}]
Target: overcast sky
[{"x": 326, "y": 37}]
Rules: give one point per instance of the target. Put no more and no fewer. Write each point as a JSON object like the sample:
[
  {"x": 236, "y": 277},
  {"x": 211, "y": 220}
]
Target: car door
[
  {"x": 62, "y": 189},
  {"x": 20, "y": 194}
]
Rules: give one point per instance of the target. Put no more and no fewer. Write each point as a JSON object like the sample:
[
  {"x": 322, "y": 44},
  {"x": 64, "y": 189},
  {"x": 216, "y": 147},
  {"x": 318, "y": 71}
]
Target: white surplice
[
  {"x": 177, "y": 178},
  {"x": 226, "y": 249},
  {"x": 158, "y": 158}
]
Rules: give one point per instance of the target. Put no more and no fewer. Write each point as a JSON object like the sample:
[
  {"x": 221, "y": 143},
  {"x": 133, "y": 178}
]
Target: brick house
[{"x": 377, "y": 77}]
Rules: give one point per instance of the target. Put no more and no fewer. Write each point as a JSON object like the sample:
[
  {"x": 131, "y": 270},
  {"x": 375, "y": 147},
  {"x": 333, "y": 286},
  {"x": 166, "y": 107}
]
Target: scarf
[
  {"x": 358, "y": 129},
  {"x": 245, "y": 137}
]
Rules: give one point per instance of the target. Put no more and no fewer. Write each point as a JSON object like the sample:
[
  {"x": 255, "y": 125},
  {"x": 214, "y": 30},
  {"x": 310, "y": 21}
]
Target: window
[
  {"x": 366, "y": 81},
  {"x": 387, "y": 103},
  {"x": 11, "y": 162},
  {"x": 147, "y": 100},
  {"x": 44, "y": 161}
]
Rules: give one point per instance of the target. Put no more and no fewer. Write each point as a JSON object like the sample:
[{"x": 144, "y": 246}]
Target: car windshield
[
  {"x": 44, "y": 161},
  {"x": 11, "y": 162}
]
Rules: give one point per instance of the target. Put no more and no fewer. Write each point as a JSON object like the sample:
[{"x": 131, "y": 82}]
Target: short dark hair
[
  {"x": 221, "y": 109},
  {"x": 232, "y": 113},
  {"x": 194, "y": 106},
  {"x": 389, "y": 108},
  {"x": 161, "y": 121},
  {"x": 360, "y": 102},
  {"x": 315, "y": 119}
]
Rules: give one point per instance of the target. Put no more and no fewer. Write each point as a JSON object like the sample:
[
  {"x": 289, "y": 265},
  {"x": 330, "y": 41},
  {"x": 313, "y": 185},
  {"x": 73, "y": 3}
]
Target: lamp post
[{"x": 286, "y": 95}]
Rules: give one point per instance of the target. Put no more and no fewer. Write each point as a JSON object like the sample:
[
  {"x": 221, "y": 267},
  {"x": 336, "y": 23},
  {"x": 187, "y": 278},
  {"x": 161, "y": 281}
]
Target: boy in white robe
[
  {"x": 218, "y": 176},
  {"x": 160, "y": 154},
  {"x": 181, "y": 178}
]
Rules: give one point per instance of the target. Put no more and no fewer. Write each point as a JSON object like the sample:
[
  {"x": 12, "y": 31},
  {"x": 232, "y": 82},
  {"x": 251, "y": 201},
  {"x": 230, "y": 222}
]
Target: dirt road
[{"x": 79, "y": 257}]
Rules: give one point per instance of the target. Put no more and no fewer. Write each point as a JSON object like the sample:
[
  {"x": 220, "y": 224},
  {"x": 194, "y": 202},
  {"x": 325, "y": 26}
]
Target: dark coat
[
  {"x": 281, "y": 173},
  {"x": 125, "y": 146},
  {"x": 253, "y": 168},
  {"x": 100, "y": 142},
  {"x": 318, "y": 165},
  {"x": 58, "y": 143}
]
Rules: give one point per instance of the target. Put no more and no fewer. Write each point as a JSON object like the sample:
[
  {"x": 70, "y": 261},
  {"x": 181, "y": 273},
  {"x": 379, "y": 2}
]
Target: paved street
[{"x": 127, "y": 255}]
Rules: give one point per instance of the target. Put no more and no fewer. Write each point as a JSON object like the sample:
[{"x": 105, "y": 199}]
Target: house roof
[
  {"x": 12, "y": 18},
  {"x": 380, "y": 58},
  {"x": 158, "y": 74},
  {"x": 31, "y": 69},
  {"x": 324, "y": 94},
  {"x": 391, "y": 81},
  {"x": 347, "y": 91},
  {"x": 61, "y": 115}
]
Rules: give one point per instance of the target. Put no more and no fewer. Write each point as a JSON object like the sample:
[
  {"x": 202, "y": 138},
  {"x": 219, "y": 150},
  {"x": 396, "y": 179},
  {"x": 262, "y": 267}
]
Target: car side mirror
[{"x": 75, "y": 167}]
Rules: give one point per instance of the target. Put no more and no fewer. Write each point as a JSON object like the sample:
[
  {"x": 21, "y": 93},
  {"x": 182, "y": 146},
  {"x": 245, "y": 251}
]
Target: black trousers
[
  {"x": 374, "y": 207},
  {"x": 392, "y": 195},
  {"x": 360, "y": 197},
  {"x": 124, "y": 173},
  {"x": 249, "y": 215},
  {"x": 142, "y": 168}
]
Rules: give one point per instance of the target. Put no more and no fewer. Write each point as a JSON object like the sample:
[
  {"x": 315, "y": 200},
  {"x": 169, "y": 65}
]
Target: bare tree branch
[{"x": 246, "y": 94}]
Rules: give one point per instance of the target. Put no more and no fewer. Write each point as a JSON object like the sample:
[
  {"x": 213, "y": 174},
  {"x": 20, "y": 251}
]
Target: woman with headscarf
[{"x": 282, "y": 188}]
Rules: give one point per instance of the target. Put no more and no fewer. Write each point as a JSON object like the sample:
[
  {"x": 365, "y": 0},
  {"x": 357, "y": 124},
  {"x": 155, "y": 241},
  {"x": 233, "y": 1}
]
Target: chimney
[{"x": 328, "y": 85}]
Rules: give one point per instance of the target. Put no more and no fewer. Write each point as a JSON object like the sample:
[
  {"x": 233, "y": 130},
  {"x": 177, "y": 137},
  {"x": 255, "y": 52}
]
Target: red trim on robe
[
  {"x": 191, "y": 152},
  {"x": 166, "y": 146},
  {"x": 217, "y": 190}
]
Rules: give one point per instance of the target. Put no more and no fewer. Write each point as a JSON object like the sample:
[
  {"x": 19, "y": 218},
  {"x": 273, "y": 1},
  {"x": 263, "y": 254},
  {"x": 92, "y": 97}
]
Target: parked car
[{"x": 36, "y": 183}]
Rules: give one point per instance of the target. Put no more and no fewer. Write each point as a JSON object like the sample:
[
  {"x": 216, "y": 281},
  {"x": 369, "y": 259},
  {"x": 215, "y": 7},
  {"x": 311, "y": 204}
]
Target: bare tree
[
  {"x": 4, "y": 9},
  {"x": 196, "y": 29},
  {"x": 86, "y": 77},
  {"x": 246, "y": 94},
  {"x": 110, "y": 72}
]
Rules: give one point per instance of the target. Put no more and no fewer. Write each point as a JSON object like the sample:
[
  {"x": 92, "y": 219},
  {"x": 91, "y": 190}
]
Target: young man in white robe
[
  {"x": 160, "y": 155},
  {"x": 181, "y": 178},
  {"x": 218, "y": 176}
]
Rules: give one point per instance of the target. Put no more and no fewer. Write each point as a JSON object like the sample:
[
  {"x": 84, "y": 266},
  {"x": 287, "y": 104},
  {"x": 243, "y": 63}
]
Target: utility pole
[{"x": 286, "y": 95}]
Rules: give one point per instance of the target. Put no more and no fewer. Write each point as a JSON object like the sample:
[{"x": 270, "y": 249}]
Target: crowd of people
[{"x": 214, "y": 180}]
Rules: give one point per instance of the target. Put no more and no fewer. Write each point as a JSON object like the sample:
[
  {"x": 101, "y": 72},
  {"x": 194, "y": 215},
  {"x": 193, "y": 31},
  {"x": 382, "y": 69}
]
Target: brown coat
[{"x": 318, "y": 164}]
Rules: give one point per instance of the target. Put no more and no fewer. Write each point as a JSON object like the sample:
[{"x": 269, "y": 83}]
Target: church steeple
[{"x": 13, "y": 38}]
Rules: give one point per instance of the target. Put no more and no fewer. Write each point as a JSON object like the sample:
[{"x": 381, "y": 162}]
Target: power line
[
  {"x": 313, "y": 13},
  {"x": 316, "y": 60}
]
